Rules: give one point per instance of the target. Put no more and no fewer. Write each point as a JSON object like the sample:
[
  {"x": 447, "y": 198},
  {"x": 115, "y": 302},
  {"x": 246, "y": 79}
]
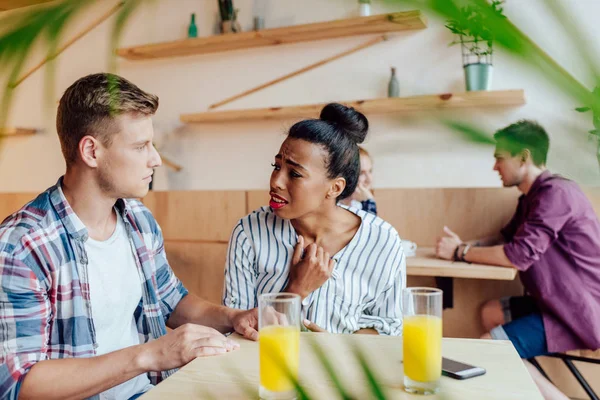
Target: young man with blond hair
[{"x": 86, "y": 292}]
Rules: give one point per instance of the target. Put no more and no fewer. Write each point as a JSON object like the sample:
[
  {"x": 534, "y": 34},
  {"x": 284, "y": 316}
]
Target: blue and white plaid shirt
[{"x": 45, "y": 308}]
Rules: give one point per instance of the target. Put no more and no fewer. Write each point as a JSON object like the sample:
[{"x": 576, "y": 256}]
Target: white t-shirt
[{"x": 115, "y": 292}]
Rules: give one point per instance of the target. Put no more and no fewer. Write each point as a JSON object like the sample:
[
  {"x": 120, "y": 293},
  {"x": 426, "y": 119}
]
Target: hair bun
[{"x": 354, "y": 123}]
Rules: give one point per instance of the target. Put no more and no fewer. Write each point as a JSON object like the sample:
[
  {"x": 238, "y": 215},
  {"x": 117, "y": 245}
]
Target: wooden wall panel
[
  {"x": 256, "y": 199},
  {"x": 419, "y": 215},
  {"x": 593, "y": 193},
  {"x": 200, "y": 266},
  {"x": 197, "y": 215}
]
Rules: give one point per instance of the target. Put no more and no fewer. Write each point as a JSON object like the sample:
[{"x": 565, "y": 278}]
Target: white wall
[{"x": 409, "y": 150}]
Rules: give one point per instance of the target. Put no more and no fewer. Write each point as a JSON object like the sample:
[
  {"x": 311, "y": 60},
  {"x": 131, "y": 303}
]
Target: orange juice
[
  {"x": 279, "y": 346},
  {"x": 423, "y": 347}
]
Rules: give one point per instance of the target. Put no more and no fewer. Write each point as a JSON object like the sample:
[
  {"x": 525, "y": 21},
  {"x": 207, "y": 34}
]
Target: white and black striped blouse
[{"x": 364, "y": 291}]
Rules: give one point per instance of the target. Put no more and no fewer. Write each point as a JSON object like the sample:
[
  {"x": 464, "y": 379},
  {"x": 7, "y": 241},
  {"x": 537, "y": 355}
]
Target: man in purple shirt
[{"x": 553, "y": 240}]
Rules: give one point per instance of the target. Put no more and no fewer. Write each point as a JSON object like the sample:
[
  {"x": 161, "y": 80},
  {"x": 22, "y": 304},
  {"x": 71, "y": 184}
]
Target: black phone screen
[{"x": 454, "y": 366}]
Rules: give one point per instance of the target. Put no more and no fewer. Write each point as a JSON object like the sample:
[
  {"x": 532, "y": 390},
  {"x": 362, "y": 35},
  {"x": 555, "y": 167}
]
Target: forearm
[
  {"x": 488, "y": 255},
  {"x": 78, "y": 378},
  {"x": 367, "y": 331},
  {"x": 193, "y": 309},
  {"x": 488, "y": 241}
]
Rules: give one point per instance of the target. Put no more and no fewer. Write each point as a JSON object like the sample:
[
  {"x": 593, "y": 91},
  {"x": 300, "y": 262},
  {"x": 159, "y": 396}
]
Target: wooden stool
[{"x": 589, "y": 356}]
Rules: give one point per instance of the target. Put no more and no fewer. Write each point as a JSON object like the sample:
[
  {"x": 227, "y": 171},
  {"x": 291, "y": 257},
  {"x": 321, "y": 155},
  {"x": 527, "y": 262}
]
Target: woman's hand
[
  {"x": 311, "y": 272},
  {"x": 362, "y": 193}
]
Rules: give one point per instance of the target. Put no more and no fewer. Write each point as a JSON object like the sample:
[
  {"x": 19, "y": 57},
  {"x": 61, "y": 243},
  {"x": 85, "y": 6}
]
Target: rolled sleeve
[
  {"x": 548, "y": 214},
  {"x": 385, "y": 313},
  {"x": 239, "y": 288},
  {"x": 25, "y": 312},
  {"x": 170, "y": 289}
]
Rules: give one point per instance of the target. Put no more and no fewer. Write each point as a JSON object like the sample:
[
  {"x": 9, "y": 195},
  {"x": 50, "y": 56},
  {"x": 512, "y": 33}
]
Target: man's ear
[
  {"x": 525, "y": 155},
  {"x": 89, "y": 148}
]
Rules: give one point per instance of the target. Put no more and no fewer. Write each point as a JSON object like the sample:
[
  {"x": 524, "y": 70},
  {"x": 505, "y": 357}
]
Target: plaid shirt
[{"x": 45, "y": 308}]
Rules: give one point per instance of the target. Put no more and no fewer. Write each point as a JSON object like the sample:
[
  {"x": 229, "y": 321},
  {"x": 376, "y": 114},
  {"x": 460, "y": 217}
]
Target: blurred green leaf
[
  {"x": 470, "y": 132},
  {"x": 374, "y": 384},
  {"x": 328, "y": 366}
]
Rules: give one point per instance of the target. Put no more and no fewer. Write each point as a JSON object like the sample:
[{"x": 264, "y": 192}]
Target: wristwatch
[{"x": 464, "y": 252}]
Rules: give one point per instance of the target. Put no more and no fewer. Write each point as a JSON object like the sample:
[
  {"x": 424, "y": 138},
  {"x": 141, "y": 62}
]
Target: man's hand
[
  {"x": 246, "y": 323},
  {"x": 362, "y": 193},
  {"x": 182, "y": 345},
  {"x": 311, "y": 272},
  {"x": 447, "y": 245},
  {"x": 311, "y": 326}
]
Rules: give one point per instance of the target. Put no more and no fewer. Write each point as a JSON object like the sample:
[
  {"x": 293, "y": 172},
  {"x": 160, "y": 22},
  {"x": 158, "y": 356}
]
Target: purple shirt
[{"x": 554, "y": 242}]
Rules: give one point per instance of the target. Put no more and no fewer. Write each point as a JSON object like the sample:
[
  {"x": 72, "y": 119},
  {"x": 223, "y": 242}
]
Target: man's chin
[{"x": 135, "y": 194}]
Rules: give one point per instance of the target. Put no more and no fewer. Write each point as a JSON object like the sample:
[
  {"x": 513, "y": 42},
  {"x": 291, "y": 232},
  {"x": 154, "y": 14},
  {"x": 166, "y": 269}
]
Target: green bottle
[{"x": 193, "y": 29}]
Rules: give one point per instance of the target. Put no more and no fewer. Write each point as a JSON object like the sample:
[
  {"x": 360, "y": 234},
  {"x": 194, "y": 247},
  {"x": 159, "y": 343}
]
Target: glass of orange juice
[
  {"x": 279, "y": 344},
  {"x": 422, "y": 341}
]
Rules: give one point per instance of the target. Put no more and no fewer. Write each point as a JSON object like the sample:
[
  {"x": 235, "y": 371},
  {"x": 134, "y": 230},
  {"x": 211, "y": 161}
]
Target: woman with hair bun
[{"x": 346, "y": 264}]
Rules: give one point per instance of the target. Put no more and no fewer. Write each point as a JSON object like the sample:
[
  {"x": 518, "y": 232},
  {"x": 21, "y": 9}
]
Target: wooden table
[
  {"x": 223, "y": 377},
  {"x": 425, "y": 263}
]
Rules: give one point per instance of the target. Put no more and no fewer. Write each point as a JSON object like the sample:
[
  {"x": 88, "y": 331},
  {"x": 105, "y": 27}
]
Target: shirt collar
[
  {"x": 544, "y": 176},
  {"x": 74, "y": 226}
]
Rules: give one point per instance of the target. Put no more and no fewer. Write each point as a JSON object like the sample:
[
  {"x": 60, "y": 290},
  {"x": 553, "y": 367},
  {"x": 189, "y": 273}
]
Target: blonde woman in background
[{"x": 363, "y": 198}]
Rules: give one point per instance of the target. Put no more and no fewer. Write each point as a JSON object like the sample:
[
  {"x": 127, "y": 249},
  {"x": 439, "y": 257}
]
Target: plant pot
[
  {"x": 230, "y": 26},
  {"x": 478, "y": 76}
]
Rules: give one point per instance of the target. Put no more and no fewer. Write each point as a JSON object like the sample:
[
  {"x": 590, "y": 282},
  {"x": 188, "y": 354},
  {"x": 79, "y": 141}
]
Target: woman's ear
[{"x": 337, "y": 187}]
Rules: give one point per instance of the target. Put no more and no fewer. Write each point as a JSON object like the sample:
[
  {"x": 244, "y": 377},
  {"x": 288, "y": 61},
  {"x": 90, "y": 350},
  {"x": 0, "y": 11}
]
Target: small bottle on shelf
[
  {"x": 193, "y": 29},
  {"x": 393, "y": 86}
]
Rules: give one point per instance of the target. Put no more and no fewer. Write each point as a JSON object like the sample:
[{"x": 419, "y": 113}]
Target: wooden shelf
[
  {"x": 426, "y": 264},
  {"x": 10, "y": 132},
  {"x": 12, "y": 4},
  {"x": 383, "y": 23},
  {"x": 370, "y": 107}
]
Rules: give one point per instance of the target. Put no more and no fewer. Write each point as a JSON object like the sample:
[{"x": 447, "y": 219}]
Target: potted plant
[
  {"x": 364, "y": 9},
  {"x": 229, "y": 22},
  {"x": 476, "y": 40}
]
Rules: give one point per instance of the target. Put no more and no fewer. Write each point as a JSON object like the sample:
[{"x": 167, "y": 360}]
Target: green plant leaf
[
  {"x": 322, "y": 357},
  {"x": 374, "y": 385},
  {"x": 583, "y": 109},
  {"x": 470, "y": 132}
]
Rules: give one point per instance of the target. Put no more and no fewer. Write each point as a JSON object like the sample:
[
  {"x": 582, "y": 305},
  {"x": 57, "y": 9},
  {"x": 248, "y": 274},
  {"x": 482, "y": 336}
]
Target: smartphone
[{"x": 458, "y": 370}]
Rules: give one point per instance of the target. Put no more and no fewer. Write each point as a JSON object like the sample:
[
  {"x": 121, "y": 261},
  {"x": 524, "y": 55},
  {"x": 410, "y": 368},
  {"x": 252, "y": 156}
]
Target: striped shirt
[
  {"x": 365, "y": 288},
  {"x": 45, "y": 307}
]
